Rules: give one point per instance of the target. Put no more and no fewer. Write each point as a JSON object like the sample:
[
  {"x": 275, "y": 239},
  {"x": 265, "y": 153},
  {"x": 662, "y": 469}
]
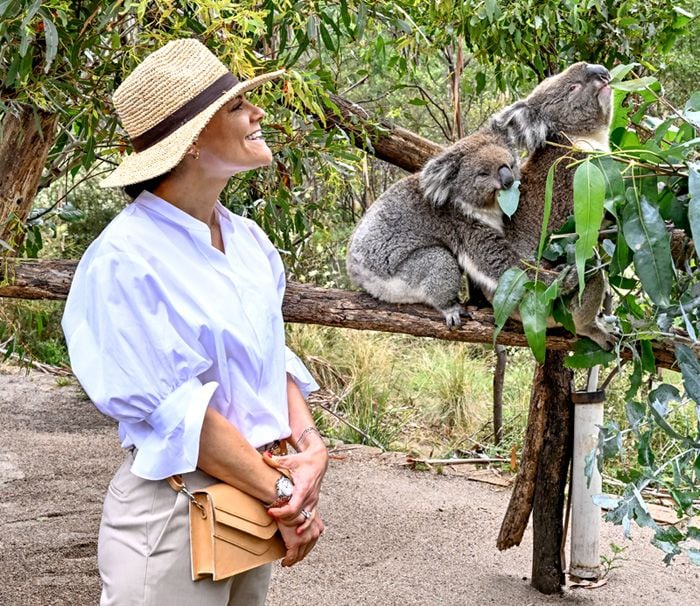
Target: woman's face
[{"x": 232, "y": 141}]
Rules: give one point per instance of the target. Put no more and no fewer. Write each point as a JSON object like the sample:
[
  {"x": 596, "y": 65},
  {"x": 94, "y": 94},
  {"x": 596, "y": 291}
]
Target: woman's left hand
[{"x": 307, "y": 469}]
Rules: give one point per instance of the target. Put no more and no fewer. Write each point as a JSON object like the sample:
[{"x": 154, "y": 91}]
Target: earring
[{"x": 194, "y": 150}]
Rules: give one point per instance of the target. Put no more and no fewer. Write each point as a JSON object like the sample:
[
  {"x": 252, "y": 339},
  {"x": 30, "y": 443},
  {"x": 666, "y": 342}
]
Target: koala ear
[
  {"x": 520, "y": 124},
  {"x": 437, "y": 177}
]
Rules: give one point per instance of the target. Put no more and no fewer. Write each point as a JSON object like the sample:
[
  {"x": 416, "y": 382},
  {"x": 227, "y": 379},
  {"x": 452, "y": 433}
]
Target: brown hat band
[{"x": 183, "y": 114}]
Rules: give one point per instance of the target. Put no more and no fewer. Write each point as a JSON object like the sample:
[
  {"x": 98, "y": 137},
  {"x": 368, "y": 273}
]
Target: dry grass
[{"x": 411, "y": 393}]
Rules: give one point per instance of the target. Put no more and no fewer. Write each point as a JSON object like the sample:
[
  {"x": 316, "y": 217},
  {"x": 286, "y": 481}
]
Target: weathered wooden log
[
  {"x": 499, "y": 377},
  {"x": 554, "y": 384},
  {"x": 523, "y": 494},
  {"x": 28, "y": 279},
  {"x": 382, "y": 139}
]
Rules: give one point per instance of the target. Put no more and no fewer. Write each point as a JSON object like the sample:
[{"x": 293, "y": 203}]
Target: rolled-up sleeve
[
  {"x": 298, "y": 371},
  {"x": 139, "y": 362}
]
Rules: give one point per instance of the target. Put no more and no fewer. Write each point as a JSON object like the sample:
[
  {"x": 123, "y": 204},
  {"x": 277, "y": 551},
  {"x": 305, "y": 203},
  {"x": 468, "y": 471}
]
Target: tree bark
[
  {"x": 554, "y": 383},
  {"x": 387, "y": 142},
  {"x": 27, "y": 279},
  {"x": 523, "y": 495},
  {"x": 26, "y": 135}
]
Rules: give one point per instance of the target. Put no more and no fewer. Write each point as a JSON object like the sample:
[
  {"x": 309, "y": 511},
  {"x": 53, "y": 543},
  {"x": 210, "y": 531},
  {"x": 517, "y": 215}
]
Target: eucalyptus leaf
[
  {"x": 548, "y": 192},
  {"x": 606, "y": 501},
  {"x": 508, "y": 199},
  {"x": 534, "y": 312},
  {"x": 614, "y": 183},
  {"x": 509, "y": 291},
  {"x": 635, "y": 377},
  {"x": 589, "y": 196},
  {"x": 645, "y": 232},
  {"x": 636, "y": 412},
  {"x": 694, "y": 203},
  {"x": 636, "y": 85},
  {"x": 645, "y": 455},
  {"x": 659, "y": 399},
  {"x": 690, "y": 370},
  {"x": 619, "y": 72},
  {"x": 562, "y": 315},
  {"x": 51, "y": 35},
  {"x": 587, "y": 354}
]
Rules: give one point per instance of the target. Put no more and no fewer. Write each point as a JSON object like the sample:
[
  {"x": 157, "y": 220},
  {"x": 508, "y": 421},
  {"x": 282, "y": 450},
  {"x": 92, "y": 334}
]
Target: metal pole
[{"x": 585, "y": 515}]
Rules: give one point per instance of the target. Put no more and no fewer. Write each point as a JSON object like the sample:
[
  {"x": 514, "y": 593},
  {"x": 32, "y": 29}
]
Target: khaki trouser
[{"x": 143, "y": 549}]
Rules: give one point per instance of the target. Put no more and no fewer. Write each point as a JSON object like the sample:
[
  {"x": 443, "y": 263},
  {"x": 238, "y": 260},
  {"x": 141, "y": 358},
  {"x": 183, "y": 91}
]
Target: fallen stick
[{"x": 476, "y": 461}]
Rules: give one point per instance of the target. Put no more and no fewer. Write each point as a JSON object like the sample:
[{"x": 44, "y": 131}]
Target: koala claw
[
  {"x": 601, "y": 336},
  {"x": 452, "y": 316},
  {"x": 568, "y": 279}
]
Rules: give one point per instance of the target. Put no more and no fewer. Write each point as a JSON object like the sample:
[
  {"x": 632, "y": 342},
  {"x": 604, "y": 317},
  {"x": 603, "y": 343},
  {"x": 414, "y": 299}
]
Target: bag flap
[
  {"x": 244, "y": 540},
  {"x": 233, "y": 507}
]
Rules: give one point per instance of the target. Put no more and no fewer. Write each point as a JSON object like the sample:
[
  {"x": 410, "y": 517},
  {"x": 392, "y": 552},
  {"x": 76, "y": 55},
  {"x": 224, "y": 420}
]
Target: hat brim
[{"x": 167, "y": 153}]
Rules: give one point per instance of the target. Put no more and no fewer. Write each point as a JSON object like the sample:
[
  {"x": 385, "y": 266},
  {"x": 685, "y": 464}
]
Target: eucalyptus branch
[{"x": 427, "y": 97}]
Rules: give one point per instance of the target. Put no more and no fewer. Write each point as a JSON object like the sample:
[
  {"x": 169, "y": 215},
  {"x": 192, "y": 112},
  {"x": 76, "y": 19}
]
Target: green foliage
[
  {"x": 520, "y": 38},
  {"x": 589, "y": 195},
  {"x": 649, "y": 186},
  {"x": 31, "y": 330}
]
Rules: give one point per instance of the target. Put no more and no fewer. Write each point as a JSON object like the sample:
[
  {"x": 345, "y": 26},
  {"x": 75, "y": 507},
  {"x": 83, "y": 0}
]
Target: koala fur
[
  {"x": 415, "y": 241},
  {"x": 572, "y": 108}
]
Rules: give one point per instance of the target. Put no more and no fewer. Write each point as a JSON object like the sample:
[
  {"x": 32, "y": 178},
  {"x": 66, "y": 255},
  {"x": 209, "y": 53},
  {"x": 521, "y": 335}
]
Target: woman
[{"x": 174, "y": 328}]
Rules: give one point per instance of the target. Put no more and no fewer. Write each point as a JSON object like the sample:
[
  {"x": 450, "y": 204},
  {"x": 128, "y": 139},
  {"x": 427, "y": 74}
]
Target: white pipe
[{"x": 585, "y": 515}]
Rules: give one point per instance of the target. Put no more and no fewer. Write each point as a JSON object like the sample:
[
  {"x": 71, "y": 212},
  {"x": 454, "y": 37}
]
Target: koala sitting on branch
[
  {"x": 415, "y": 241},
  {"x": 417, "y": 238}
]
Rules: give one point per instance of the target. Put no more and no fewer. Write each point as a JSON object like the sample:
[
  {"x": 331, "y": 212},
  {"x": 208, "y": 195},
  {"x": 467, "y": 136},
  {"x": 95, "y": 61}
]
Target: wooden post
[
  {"x": 552, "y": 384},
  {"x": 523, "y": 494},
  {"x": 585, "y": 515},
  {"x": 499, "y": 376}
]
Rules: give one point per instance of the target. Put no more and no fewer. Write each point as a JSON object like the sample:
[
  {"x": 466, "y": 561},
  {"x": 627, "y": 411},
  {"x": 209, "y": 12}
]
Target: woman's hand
[
  {"x": 300, "y": 536},
  {"x": 307, "y": 469}
]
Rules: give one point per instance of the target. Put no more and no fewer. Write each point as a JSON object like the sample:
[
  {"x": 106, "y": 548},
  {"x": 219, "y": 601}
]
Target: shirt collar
[{"x": 172, "y": 213}]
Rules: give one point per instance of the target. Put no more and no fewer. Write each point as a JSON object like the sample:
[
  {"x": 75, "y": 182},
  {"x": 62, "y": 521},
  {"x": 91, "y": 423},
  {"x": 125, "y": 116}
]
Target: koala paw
[
  {"x": 568, "y": 278},
  {"x": 453, "y": 316},
  {"x": 603, "y": 335}
]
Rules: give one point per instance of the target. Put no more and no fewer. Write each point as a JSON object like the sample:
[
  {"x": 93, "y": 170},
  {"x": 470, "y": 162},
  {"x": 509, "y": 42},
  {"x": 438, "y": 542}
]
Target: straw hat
[{"x": 167, "y": 101}]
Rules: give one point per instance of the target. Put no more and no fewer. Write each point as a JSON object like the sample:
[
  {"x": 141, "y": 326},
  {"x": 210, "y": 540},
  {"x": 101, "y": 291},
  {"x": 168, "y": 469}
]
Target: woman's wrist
[{"x": 308, "y": 439}]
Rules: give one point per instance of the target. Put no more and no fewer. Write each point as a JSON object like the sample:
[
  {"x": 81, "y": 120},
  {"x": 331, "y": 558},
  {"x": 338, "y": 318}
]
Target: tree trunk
[
  {"x": 387, "y": 142},
  {"x": 548, "y": 565},
  {"x": 554, "y": 384},
  {"x": 26, "y": 135}
]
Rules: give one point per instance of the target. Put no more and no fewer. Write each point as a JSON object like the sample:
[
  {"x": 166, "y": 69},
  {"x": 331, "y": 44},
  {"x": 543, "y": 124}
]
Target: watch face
[{"x": 284, "y": 487}]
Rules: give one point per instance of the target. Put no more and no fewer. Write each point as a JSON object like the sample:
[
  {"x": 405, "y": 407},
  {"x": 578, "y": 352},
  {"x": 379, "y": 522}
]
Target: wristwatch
[{"x": 284, "y": 490}]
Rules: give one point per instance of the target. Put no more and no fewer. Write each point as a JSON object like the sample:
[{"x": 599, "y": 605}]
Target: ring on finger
[{"x": 307, "y": 514}]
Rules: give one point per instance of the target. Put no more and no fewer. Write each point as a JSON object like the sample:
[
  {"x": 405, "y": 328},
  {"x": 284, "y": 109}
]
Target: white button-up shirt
[{"x": 160, "y": 324}]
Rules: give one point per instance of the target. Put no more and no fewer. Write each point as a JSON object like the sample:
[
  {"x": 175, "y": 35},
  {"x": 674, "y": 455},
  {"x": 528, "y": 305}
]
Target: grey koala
[
  {"x": 572, "y": 108},
  {"x": 415, "y": 241}
]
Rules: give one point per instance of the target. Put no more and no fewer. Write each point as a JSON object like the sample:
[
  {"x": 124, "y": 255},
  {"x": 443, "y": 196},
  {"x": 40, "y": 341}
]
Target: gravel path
[{"x": 395, "y": 537}]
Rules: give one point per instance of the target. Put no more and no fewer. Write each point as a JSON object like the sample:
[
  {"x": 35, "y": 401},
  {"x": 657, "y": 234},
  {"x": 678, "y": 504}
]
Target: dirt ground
[{"x": 394, "y": 536}]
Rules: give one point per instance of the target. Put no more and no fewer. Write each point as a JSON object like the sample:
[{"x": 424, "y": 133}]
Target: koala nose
[
  {"x": 598, "y": 71},
  {"x": 506, "y": 176}
]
